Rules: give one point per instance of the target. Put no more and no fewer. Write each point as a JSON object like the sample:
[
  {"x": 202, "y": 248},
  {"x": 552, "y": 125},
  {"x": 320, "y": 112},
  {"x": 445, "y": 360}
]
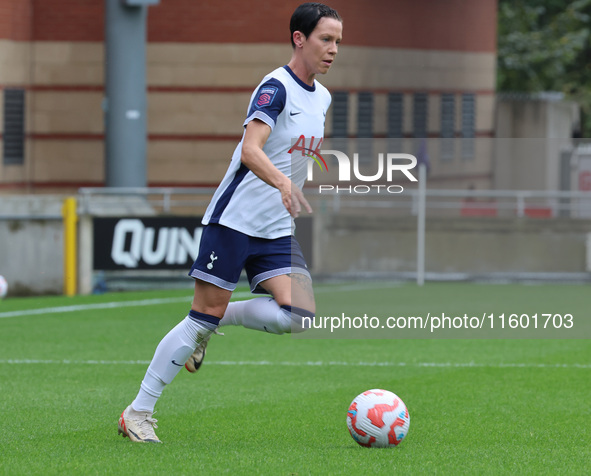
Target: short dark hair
[{"x": 306, "y": 17}]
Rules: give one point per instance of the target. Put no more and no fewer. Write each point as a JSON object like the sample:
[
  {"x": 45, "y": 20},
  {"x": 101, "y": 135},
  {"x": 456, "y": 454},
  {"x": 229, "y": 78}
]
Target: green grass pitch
[{"x": 266, "y": 404}]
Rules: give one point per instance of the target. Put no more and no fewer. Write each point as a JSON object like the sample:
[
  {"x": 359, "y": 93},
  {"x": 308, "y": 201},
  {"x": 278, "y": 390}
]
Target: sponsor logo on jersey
[{"x": 310, "y": 147}]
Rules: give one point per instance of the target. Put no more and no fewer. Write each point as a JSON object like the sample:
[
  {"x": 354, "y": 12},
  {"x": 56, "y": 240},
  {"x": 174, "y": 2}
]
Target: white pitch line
[
  {"x": 89, "y": 307},
  {"x": 150, "y": 302},
  {"x": 308, "y": 363},
  {"x": 103, "y": 305}
]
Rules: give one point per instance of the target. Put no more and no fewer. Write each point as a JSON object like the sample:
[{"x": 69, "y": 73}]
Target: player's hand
[{"x": 294, "y": 200}]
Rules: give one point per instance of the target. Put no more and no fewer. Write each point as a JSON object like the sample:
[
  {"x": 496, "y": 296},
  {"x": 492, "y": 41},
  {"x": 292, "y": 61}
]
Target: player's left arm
[{"x": 254, "y": 157}]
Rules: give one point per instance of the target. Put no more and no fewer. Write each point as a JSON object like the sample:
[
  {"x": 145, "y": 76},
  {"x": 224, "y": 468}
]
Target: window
[
  {"x": 365, "y": 115},
  {"x": 14, "y": 127},
  {"x": 395, "y": 124},
  {"x": 468, "y": 125},
  {"x": 365, "y": 127},
  {"x": 419, "y": 119},
  {"x": 340, "y": 120},
  {"x": 340, "y": 111},
  {"x": 395, "y": 115},
  {"x": 448, "y": 115}
]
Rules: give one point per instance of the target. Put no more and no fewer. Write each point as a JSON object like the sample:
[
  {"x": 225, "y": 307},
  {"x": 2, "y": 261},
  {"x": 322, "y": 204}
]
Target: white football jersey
[{"x": 296, "y": 113}]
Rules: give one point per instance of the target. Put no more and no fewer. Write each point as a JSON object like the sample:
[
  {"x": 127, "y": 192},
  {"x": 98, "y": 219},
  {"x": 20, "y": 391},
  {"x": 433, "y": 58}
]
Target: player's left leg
[
  {"x": 279, "y": 269},
  {"x": 276, "y": 267},
  {"x": 294, "y": 296},
  {"x": 290, "y": 309}
]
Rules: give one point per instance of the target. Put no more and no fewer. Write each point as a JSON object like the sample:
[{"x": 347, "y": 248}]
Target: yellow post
[{"x": 70, "y": 246}]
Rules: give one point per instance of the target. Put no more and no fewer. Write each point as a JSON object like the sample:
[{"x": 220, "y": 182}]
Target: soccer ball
[
  {"x": 378, "y": 419},
  {"x": 3, "y": 287}
]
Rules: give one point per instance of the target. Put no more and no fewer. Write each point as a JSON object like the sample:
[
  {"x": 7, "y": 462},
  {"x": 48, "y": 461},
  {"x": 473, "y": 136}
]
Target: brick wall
[
  {"x": 423, "y": 24},
  {"x": 68, "y": 20},
  {"x": 15, "y": 19}
]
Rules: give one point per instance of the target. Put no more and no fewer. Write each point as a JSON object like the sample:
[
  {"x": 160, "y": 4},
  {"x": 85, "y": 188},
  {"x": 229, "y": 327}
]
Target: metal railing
[
  {"x": 166, "y": 199},
  {"x": 502, "y": 203},
  {"x": 518, "y": 203}
]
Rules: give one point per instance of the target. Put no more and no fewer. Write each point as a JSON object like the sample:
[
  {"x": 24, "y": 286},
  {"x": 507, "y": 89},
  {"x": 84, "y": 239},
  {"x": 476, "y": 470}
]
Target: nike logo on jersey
[
  {"x": 175, "y": 363},
  {"x": 294, "y": 113}
]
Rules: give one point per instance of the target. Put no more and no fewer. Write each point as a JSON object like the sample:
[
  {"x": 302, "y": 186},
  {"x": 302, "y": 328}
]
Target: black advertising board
[
  {"x": 154, "y": 243},
  {"x": 133, "y": 243}
]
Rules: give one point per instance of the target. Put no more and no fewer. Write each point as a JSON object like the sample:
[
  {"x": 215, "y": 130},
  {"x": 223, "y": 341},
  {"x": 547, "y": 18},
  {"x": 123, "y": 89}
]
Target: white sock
[
  {"x": 264, "y": 314},
  {"x": 170, "y": 357}
]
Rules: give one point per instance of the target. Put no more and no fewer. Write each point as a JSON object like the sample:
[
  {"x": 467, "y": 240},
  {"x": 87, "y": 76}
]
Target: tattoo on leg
[{"x": 304, "y": 283}]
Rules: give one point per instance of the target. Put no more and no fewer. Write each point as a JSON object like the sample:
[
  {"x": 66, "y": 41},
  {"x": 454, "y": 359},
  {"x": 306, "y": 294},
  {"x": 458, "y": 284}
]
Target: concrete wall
[
  {"x": 475, "y": 246},
  {"x": 531, "y": 132},
  {"x": 31, "y": 250},
  {"x": 31, "y": 244},
  {"x": 31, "y": 256}
]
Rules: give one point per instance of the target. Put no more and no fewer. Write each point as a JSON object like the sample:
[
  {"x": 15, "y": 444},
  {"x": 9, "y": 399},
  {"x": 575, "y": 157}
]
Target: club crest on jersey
[
  {"x": 266, "y": 96},
  {"x": 212, "y": 257}
]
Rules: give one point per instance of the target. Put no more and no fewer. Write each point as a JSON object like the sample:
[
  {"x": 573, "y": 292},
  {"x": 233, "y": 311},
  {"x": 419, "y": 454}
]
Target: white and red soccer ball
[
  {"x": 3, "y": 287},
  {"x": 378, "y": 419}
]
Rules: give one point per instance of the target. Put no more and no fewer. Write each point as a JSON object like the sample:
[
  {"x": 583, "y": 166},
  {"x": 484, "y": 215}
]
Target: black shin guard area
[{"x": 302, "y": 319}]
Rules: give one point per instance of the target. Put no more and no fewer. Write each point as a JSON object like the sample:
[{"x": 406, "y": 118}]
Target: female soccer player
[{"x": 249, "y": 222}]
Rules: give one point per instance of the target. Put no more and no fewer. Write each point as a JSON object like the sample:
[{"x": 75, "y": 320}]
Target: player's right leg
[
  {"x": 207, "y": 299},
  {"x": 217, "y": 268},
  {"x": 174, "y": 349},
  {"x": 208, "y": 306}
]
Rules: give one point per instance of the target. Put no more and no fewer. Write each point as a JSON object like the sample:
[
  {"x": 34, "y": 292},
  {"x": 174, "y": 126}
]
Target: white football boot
[{"x": 138, "y": 426}]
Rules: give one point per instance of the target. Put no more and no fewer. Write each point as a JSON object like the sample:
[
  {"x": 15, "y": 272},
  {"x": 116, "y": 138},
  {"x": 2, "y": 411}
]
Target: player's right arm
[{"x": 253, "y": 157}]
